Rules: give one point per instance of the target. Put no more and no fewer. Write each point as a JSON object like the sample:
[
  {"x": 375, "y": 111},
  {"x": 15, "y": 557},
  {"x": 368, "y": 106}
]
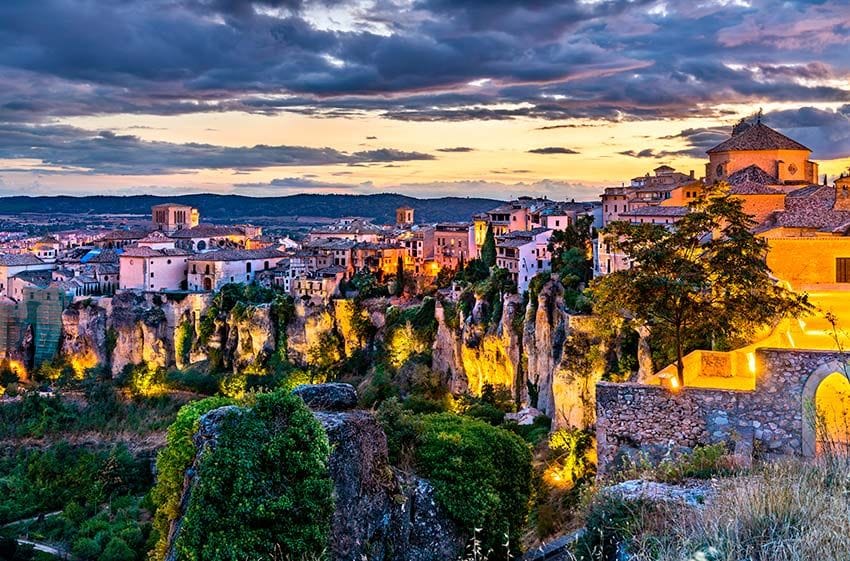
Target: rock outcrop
[
  {"x": 548, "y": 358},
  {"x": 129, "y": 328},
  {"x": 381, "y": 513}
]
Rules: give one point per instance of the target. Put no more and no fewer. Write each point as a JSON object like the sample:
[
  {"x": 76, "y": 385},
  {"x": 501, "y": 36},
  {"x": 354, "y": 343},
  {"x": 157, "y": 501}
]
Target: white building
[
  {"x": 524, "y": 254},
  {"x": 12, "y": 264},
  {"x": 144, "y": 268},
  {"x": 210, "y": 271}
]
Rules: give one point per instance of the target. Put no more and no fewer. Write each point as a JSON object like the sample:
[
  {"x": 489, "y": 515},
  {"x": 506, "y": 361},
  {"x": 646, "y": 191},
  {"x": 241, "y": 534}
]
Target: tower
[{"x": 404, "y": 216}]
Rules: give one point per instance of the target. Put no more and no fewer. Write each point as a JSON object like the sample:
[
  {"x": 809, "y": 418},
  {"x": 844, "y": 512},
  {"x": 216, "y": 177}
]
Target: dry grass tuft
[{"x": 784, "y": 512}]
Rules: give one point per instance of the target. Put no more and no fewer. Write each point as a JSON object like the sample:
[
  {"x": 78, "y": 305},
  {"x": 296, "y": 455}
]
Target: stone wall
[{"x": 770, "y": 420}]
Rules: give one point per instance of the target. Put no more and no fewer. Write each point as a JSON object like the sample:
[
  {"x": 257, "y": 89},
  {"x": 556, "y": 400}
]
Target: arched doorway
[
  {"x": 207, "y": 284},
  {"x": 832, "y": 414},
  {"x": 826, "y": 410}
]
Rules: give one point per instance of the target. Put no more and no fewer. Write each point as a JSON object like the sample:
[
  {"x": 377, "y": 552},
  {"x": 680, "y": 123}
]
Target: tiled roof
[
  {"x": 145, "y": 251},
  {"x": 155, "y": 237},
  {"x": 19, "y": 259},
  {"x": 758, "y": 137},
  {"x": 658, "y": 211},
  {"x": 39, "y": 278},
  {"x": 208, "y": 230},
  {"x": 811, "y": 207},
  {"x": 126, "y": 234},
  {"x": 238, "y": 254},
  {"x": 752, "y": 180}
]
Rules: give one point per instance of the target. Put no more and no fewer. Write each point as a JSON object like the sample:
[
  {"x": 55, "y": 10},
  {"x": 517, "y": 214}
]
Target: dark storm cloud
[
  {"x": 825, "y": 131},
  {"x": 108, "y": 152},
  {"x": 420, "y": 60},
  {"x": 552, "y": 150}
]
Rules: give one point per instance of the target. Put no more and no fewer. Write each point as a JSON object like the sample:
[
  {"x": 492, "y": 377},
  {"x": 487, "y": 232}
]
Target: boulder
[{"x": 327, "y": 397}]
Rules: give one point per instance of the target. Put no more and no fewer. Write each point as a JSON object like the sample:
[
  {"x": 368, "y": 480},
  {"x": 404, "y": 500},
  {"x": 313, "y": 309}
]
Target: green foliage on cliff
[
  {"x": 263, "y": 491},
  {"x": 184, "y": 338},
  {"x": 172, "y": 463},
  {"x": 481, "y": 473}
]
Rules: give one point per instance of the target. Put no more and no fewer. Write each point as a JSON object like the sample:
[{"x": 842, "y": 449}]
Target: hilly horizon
[{"x": 378, "y": 207}]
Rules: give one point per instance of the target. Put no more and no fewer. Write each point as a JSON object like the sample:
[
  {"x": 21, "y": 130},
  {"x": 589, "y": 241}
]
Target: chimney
[
  {"x": 692, "y": 174},
  {"x": 842, "y": 194}
]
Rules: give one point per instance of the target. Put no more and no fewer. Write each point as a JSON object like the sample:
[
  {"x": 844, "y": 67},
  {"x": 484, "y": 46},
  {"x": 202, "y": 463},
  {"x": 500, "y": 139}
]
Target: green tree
[
  {"x": 571, "y": 252},
  {"x": 488, "y": 249},
  {"x": 399, "y": 277},
  {"x": 706, "y": 279}
]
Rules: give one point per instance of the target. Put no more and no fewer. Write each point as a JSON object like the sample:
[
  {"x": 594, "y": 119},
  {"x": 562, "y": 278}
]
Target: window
[
  {"x": 842, "y": 269},
  {"x": 248, "y": 267},
  {"x": 151, "y": 274}
]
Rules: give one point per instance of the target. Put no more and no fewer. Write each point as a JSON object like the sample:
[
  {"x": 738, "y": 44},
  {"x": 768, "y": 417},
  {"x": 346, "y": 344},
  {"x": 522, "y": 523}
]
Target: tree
[
  {"x": 571, "y": 252},
  {"x": 399, "y": 277},
  {"x": 488, "y": 249},
  {"x": 707, "y": 278}
]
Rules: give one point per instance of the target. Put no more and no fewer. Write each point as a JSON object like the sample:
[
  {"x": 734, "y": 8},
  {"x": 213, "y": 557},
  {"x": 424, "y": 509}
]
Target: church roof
[
  {"x": 752, "y": 180},
  {"x": 758, "y": 137}
]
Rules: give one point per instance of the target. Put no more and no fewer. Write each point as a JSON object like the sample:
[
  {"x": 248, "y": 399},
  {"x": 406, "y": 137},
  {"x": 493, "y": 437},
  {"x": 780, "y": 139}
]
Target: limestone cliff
[
  {"x": 129, "y": 328},
  {"x": 547, "y": 357}
]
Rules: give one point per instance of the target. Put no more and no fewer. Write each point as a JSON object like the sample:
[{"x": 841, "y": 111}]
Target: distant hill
[{"x": 380, "y": 208}]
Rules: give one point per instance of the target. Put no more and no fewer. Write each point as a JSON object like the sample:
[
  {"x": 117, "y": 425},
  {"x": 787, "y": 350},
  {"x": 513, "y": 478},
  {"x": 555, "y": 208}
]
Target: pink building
[{"x": 144, "y": 268}]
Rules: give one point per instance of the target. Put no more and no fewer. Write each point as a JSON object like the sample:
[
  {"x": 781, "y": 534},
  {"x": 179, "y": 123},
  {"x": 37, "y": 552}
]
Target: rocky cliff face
[
  {"x": 129, "y": 328},
  {"x": 547, "y": 357},
  {"x": 381, "y": 513}
]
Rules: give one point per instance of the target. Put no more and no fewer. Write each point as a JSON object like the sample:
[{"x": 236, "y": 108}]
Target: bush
[
  {"x": 611, "y": 523},
  {"x": 172, "y": 463},
  {"x": 265, "y": 490},
  {"x": 481, "y": 474}
]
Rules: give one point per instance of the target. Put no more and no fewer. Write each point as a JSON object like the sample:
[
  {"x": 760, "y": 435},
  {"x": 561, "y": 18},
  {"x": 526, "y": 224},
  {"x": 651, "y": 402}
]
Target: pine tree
[
  {"x": 488, "y": 250},
  {"x": 399, "y": 277}
]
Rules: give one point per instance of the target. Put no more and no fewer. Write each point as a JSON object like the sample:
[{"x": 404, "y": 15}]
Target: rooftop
[
  {"x": 19, "y": 259},
  {"x": 758, "y": 136},
  {"x": 238, "y": 254},
  {"x": 666, "y": 211}
]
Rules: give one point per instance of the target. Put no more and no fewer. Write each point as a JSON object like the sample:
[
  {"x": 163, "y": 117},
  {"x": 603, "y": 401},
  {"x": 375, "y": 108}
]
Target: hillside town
[{"x": 771, "y": 174}]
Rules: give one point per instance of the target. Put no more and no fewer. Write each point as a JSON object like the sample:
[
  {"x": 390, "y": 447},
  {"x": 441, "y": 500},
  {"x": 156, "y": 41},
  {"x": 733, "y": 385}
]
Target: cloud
[
  {"x": 106, "y": 152},
  {"x": 645, "y": 153},
  {"x": 417, "y": 60},
  {"x": 303, "y": 183},
  {"x": 825, "y": 131},
  {"x": 552, "y": 150},
  {"x": 456, "y": 149}
]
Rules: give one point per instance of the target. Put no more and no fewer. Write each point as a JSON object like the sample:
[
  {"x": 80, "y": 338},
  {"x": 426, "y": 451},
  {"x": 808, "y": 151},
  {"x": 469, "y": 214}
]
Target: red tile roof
[{"x": 758, "y": 137}]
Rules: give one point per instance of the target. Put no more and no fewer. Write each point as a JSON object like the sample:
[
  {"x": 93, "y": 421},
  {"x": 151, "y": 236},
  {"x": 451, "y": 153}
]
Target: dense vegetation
[
  {"x": 265, "y": 490},
  {"x": 481, "y": 473},
  {"x": 97, "y": 491}
]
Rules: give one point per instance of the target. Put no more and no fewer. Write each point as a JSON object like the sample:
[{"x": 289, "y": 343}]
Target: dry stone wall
[{"x": 770, "y": 420}]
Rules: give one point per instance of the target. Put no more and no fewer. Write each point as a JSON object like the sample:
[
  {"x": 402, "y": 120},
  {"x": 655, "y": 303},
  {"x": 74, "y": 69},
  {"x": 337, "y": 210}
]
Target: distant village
[{"x": 772, "y": 174}]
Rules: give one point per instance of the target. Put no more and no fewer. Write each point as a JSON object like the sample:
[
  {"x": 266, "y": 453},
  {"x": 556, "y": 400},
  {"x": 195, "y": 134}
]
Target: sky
[{"x": 491, "y": 98}]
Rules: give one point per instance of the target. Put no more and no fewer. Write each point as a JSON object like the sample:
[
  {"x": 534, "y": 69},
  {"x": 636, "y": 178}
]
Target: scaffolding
[{"x": 40, "y": 313}]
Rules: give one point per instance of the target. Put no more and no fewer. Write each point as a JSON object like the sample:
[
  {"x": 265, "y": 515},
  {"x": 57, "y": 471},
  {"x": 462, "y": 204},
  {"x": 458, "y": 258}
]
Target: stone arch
[{"x": 810, "y": 388}]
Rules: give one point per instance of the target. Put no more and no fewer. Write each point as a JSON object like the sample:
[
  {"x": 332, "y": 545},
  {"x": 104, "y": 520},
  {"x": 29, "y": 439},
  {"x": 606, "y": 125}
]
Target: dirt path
[{"x": 49, "y": 549}]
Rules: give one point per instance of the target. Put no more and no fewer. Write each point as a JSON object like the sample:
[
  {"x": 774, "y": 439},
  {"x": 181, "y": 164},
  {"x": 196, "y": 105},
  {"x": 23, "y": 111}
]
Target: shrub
[
  {"x": 172, "y": 463},
  {"x": 265, "y": 489},
  {"x": 611, "y": 523},
  {"x": 481, "y": 474}
]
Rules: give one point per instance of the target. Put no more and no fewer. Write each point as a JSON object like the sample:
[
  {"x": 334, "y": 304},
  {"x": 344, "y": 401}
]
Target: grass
[{"x": 788, "y": 511}]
